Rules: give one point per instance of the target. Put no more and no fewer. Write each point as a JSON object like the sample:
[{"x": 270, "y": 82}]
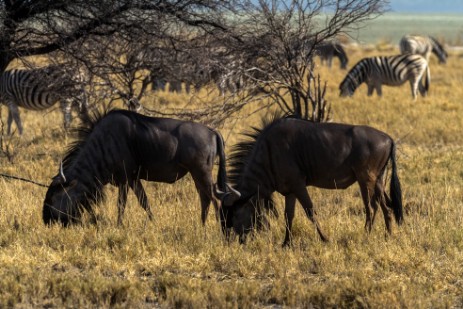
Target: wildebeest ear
[{"x": 73, "y": 183}]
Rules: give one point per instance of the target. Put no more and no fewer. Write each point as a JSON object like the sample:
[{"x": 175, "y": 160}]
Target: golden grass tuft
[{"x": 175, "y": 262}]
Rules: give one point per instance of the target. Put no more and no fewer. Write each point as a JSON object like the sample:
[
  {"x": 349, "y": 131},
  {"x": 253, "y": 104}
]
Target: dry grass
[{"x": 175, "y": 262}]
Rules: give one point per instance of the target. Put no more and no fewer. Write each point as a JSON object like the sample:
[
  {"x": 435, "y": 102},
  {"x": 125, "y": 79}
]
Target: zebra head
[
  {"x": 341, "y": 54},
  {"x": 355, "y": 77},
  {"x": 439, "y": 50},
  {"x": 347, "y": 87}
]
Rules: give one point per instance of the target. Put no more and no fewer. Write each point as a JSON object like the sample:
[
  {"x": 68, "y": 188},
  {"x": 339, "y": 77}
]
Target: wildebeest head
[
  {"x": 238, "y": 212},
  {"x": 60, "y": 204}
]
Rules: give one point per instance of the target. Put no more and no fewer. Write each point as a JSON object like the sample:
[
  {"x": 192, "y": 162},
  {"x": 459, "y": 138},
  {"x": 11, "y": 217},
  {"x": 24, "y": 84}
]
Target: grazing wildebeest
[
  {"x": 124, "y": 147},
  {"x": 290, "y": 154}
]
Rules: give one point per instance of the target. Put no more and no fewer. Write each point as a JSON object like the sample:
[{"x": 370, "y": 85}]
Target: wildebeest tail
[
  {"x": 222, "y": 174},
  {"x": 395, "y": 189}
]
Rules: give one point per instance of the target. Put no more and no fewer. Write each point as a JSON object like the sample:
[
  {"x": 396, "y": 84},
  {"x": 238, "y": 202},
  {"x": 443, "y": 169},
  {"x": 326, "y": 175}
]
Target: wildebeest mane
[
  {"x": 94, "y": 194},
  {"x": 81, "y": 134},
  {"x": 242, "y": 151}
]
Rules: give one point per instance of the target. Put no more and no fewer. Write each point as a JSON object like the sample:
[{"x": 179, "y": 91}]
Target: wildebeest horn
[
  {"x": 218, "y": 193},
  {"x": 61, "y": 172},
  {"x": 229, "y": 196}
]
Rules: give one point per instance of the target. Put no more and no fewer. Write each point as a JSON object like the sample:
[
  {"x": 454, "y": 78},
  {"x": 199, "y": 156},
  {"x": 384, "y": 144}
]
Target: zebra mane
[
  {"x": 356, "y": 75},
  {"x": 436, "y": 43}
]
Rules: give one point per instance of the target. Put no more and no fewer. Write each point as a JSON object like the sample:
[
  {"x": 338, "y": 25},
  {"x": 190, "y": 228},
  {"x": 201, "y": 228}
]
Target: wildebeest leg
[
  {"x": 93, "y": 217},
  {"x": 204, "y": 185},
  {"x": 368, "y": 196},
  {"x": 137, "y": 187},
  {"x": 13, "y": 114},
  {"x": 385, "y": 202},
  {"x": 121, "y": 202},
  {"x": 290, "y": 202},
  {"x": 303, "y": 196}
]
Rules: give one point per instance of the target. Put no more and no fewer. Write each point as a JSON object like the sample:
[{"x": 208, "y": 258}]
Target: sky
[{"x": 426, "y": 6}]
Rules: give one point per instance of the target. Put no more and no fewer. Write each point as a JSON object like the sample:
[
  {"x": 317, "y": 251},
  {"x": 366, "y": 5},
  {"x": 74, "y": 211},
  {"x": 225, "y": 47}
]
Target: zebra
[
  {"x": 327, "y": 50},
  {"x": 39, "y": 89},
  {"x": 391, "y": 71},
  {"x": 424, "y": 46}
]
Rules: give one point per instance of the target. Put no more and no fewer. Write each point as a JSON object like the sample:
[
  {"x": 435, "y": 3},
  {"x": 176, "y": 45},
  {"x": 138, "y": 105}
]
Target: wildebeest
[
  {"x": 124, "y": 147},
  {"x": 290, "y": 154}
]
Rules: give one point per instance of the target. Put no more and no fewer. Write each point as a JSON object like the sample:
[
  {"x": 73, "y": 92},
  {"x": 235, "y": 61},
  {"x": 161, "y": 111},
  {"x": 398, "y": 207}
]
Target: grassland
[{"x": 175, "y": 262}]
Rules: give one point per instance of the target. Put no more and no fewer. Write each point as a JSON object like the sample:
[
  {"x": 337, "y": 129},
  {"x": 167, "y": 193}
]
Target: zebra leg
[
  {"x": 414, "y": 86},
  {"x": 421, "y": 87},
  {"x": 379, "y": 90},
  {"x": 13, "y": 114},
  {"x": 66, "y": 106},
  {"x": 82, "y": 104},
  {"x": 370, "y": 90},
  {"x": 330, "y": 61},
  {"x": 187, "y": 87}
]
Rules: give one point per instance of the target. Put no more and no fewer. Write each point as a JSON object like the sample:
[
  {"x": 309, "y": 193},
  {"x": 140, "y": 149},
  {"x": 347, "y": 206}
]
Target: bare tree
[
  {"x": 264, "y": 52},
  {"x": 39, "y": 27},
  {"x": 262, "y": 48},
  {"x": 277, "y": 42}
]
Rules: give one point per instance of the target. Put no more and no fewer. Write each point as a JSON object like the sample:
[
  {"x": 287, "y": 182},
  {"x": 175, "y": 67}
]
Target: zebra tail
[
  {"x": 395, "y": 189},
  {"x": 427, "y": 81}
]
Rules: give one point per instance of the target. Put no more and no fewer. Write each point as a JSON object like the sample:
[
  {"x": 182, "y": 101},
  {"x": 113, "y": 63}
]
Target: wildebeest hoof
[{"x": 286, "y": 244}]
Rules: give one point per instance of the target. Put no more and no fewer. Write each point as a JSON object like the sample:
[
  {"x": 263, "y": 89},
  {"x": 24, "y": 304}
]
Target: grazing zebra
[
  {"x": 424, "y": 46},
  {"x": 39, "y": 89},
  {"x": 391, "y": 71},
  {"x": 327, "y": 50}
]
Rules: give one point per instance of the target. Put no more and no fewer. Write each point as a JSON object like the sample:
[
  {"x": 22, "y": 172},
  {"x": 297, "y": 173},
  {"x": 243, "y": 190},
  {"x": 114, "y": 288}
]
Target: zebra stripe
[
  {"x": 391, "y": 71},
  {"x": 424, "y": 46},
  {"x": 39, "y": 89}
]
